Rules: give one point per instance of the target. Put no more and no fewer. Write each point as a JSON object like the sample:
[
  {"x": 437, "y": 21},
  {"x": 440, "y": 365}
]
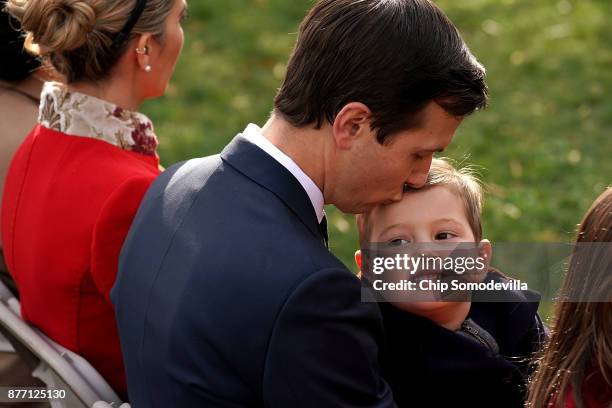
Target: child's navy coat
[{"x": 427, "y": 365}]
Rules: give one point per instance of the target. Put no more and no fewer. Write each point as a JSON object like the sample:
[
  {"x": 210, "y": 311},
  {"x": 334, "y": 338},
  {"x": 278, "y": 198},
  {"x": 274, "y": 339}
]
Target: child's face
[{"x": 435, "y": 214}]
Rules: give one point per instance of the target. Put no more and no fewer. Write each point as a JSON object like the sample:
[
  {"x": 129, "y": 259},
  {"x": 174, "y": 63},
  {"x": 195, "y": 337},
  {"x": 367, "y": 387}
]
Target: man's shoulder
[
  {"x": 209, "y": 176},
  {"x": 179, "y": 185},
  {"x": 219, "y": 207},
  {"x": 188, "y": 174}
]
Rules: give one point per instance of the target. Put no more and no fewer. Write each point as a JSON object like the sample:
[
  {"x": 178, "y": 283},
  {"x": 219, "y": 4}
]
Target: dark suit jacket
[{"x": 228, "y": 297}]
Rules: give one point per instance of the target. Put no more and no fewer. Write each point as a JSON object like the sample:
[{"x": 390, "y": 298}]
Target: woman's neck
[{"x": 116, "y": 94}]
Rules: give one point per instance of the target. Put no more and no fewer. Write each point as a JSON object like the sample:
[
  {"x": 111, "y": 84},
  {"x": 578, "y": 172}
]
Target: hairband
[{"x": 129, "y": 25}]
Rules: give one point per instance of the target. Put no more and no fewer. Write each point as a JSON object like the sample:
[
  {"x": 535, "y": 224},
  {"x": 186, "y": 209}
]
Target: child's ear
[
  {"x": 358, "y": 262},
  {"x": 358, "y": 259},
  {"x": 486, "y": 251}
]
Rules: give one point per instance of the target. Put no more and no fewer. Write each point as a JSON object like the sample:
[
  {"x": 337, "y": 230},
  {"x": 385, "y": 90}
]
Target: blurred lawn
[{"x": 544, "y": 145}]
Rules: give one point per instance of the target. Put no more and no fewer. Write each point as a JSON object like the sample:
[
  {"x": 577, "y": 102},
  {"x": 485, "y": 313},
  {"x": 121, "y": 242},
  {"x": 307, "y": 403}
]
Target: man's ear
[
  {"x": 486, "y": 252},
  {"x": 352, "y": 121}
]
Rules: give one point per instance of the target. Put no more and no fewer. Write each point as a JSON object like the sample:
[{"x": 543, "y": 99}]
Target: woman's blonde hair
[
  {"x": 77, "y": 35},
  {"x": 580, "y": 344}
]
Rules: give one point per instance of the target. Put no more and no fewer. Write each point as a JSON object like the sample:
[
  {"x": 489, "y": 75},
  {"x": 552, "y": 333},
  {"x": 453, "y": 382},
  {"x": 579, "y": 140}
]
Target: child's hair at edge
[
  {"x": 461, "y": 180},
  {"x": 580, "y": 344}
]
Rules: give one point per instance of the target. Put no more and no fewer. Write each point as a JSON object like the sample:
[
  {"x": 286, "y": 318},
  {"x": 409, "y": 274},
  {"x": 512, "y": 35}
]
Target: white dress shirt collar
[{"x": 253, "y": 134}]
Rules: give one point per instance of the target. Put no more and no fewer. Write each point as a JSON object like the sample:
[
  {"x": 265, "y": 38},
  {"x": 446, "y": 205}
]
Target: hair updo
[{"x": 77, "y": 35}]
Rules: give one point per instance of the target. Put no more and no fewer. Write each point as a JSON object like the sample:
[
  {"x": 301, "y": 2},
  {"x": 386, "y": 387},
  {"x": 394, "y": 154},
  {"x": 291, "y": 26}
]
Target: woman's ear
[
  {"x": 143, "y": 52},
  {"x": 352, "y": 121}
]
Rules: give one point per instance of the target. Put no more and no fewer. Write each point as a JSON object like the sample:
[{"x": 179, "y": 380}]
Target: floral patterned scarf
[{"x": 78, "y": 114}]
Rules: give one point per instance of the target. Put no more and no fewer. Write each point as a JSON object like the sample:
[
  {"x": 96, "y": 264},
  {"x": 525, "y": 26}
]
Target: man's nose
[
  {"x": 418, "y": 177},
  {"x": 399, "y": 195}
]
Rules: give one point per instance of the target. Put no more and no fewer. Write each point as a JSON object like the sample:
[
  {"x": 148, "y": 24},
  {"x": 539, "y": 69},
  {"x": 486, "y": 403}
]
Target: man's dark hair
[
  {"x": 17, "y": 64},
  {"x": 394, "y": 56}
]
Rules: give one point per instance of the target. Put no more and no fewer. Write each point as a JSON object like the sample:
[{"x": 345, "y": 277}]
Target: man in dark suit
[{"x": 227, "y": 295}]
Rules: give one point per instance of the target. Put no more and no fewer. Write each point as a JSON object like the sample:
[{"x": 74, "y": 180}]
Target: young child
[
  {"x": 451, "y": 353},
  {"x": 575, "y": 368}
]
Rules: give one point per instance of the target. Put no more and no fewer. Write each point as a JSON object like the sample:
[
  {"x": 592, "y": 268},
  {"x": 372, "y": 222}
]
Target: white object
[
  {"x": 101, "y": 404},
  {"x": 59, "y": 368},
  {"x": 254, "y": 134}
]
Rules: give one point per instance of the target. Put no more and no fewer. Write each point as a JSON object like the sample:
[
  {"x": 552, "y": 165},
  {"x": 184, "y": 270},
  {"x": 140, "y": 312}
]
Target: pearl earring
[{"x": 148, "y": 68}]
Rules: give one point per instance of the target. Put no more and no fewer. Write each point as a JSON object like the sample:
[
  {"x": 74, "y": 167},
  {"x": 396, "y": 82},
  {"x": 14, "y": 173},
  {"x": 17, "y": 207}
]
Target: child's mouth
[{"x": 431, "y": 275}]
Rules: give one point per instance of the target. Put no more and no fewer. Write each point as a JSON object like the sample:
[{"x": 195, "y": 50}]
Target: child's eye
[
  {"x": 440, "y": 236},
  {"x": 398, "y": 242}
]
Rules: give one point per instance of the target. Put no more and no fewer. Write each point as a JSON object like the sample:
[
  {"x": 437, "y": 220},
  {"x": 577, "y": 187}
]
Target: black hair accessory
[{"x": 129, "y": 25}]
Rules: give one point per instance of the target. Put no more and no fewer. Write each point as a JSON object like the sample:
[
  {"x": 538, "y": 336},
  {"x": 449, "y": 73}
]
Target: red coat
[{"x": 68, "y": 204}]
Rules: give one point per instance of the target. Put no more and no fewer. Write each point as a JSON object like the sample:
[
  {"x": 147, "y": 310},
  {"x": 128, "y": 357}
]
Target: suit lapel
[{"x": 264, "y": 170}]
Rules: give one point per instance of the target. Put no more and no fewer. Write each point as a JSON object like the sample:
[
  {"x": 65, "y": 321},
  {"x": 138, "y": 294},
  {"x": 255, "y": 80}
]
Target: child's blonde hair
[{"x": 462, "y": 181}]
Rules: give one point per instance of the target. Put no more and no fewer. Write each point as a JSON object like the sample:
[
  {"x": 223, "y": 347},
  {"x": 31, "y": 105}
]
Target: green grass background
[{"x": 544, "y": 146}]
